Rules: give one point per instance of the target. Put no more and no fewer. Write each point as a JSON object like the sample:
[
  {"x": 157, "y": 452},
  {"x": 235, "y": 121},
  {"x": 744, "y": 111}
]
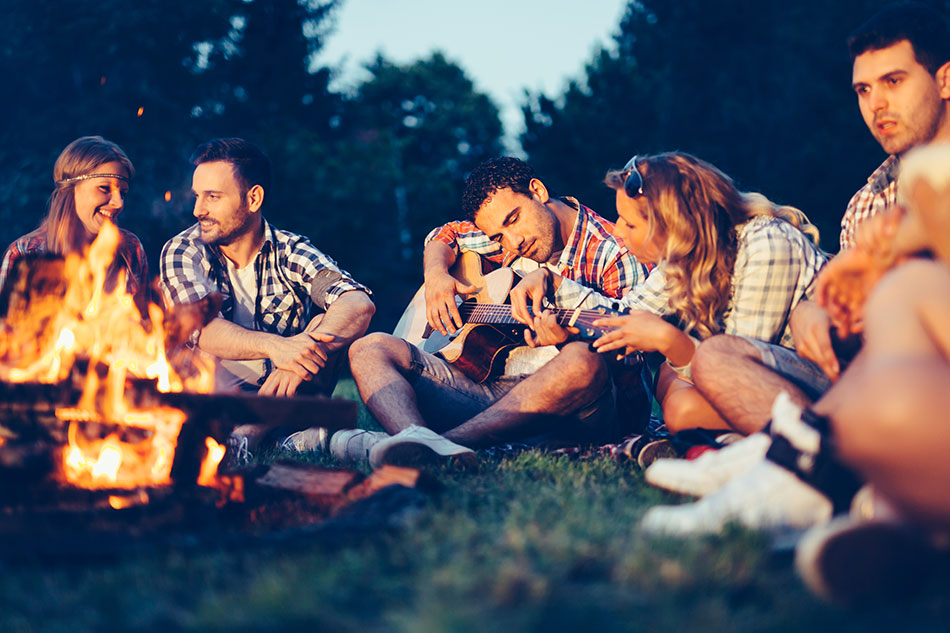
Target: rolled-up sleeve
[{"x": 324, "y": 280}]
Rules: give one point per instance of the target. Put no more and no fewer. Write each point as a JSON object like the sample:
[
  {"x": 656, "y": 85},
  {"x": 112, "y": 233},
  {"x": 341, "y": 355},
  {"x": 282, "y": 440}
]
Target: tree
[{"x": 760, "y": 89}]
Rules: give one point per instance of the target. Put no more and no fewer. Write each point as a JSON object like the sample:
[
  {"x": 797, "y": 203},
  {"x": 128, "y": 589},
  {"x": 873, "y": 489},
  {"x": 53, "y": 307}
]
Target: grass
[{"x": 529, "y": 543}]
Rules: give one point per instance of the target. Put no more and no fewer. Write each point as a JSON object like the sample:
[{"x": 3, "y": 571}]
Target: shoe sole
[
  {"x": 654, "y": 451},
  {"x": 847, "y": 563},
  {"x": 412, "y": 454}
]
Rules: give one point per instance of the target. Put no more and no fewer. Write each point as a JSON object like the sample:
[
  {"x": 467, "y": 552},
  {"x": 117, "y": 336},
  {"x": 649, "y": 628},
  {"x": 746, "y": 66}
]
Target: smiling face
[
  {"x": 633, "y": 228},
  {"x": 521, "y": 223},
  {"x": 100, "y": 198},
  {"x": 902, "y": 103},
  {"x": 221, "y": 207}
]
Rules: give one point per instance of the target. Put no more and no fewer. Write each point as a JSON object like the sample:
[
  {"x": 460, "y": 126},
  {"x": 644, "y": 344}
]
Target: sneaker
[
  {"x": 353, "y": 445},
  {"x": 655, "y": 450},
  {"x": 237, "y": 456},
  {"x": 766, "y": 497},
  {"x": 710, "y": 471},
  {"x": 851, "y": 560},
  {"x": 308, "y": 440},
  {"x": 417, "y": 445}
]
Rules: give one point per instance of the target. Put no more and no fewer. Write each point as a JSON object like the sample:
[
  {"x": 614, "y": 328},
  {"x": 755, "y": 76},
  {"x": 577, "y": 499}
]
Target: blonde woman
[
  {"x": 92, "y": 179},
  {"x": 726, "y": 262}
]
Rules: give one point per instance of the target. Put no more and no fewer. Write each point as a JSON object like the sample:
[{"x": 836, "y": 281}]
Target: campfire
[
  {"x": 103, "y": 412},
  {"x": 63, "y": 325}
]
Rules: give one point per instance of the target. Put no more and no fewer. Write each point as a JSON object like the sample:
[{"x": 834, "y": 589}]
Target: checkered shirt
[
  {"x": 776, "y": 268},
  {"x": 295, "y": 281},
  {"x": 875, "y": 197},
  {"x": 592, "y": 256},
  {"x": 130, "y": 251}
]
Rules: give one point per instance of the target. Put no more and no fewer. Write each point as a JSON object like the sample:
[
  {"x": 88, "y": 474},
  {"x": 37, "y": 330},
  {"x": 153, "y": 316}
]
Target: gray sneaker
[
  {"x": 417, "y": 445},
  {"x": 353, "y": 445},
  {"x": 308, "y": 440}
]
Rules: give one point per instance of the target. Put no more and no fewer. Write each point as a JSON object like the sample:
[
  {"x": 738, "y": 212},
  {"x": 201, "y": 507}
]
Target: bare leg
[
  {"x": 890, "y": 411},
  {"x": 569, "y": 381},
  {"x": 379, "y": 363},
  {"x": 728, "y": 371},
  {"x": 683, "y": 406}
]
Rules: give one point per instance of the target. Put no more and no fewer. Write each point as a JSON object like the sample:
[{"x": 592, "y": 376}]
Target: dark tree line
[{"x": 759, "y": 88}]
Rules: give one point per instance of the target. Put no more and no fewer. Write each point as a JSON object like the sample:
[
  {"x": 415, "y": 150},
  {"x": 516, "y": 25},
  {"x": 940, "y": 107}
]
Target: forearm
[
  {"x": 678, "y": 347},
  {"x": 347, "y": 319},
  {"x": 230, "y": 341},
  {"x": 437, "y": 258}
]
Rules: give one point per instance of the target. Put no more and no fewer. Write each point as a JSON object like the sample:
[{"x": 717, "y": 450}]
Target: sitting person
[
  {"x": 545, "y": 395},
  {"x": 884, "y": 420},
  {"x": 289, "y": 312},
  {"x": 901, "y": 77},
  {"x": 92, "y": 179},
  {"x": 726, "y": 261}
]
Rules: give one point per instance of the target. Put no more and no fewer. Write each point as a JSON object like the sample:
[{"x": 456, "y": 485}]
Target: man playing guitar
[{"x": 545, "y": 394}]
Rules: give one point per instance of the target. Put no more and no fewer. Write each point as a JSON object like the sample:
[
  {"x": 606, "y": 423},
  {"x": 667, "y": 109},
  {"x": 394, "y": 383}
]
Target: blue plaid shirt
[{"x": 295, "y": 281}]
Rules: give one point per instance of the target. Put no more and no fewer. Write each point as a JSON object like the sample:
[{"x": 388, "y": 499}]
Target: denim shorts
[
  {"x": 801, "y": 372},
  {"x": 446, "y": 398}
]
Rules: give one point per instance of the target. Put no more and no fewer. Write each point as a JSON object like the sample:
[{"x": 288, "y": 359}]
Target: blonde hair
[
  {"x": 697, "y": 208},
  {"x": 62, "y": 227}
]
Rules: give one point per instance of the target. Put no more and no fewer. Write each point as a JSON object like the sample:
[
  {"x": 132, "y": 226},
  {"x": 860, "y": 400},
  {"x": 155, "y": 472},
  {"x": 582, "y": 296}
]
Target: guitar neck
[{"x": 500, "y": 314}]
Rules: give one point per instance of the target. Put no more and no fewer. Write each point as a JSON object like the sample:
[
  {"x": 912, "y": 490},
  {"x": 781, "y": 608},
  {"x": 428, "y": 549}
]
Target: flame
[
  {"x": 168, "y": 196},
  {"x": 209, "y": 466},
  {"x": 140, "y": 112},
  {"x": 120, "y": 502},
  {"x": 110, "y": 442}
]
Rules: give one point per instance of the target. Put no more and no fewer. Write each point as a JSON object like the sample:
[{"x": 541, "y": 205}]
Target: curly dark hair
[
  {"x": 922, "y": 25},
  {"x": 494, "y": 174}
]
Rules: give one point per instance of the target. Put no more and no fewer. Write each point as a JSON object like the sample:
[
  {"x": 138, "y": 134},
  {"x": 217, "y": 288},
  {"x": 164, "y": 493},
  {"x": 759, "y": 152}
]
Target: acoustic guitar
[{"x": 490, "y": 331}]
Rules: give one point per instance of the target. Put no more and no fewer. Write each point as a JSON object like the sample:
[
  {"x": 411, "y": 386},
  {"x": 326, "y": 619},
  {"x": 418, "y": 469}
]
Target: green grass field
[{"x": 528, "y": 543}]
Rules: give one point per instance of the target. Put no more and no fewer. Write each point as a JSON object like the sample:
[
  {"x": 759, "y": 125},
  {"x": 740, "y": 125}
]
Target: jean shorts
[
  {"x": 446, "y": 398},
  {"x": 801, "y": 372}
]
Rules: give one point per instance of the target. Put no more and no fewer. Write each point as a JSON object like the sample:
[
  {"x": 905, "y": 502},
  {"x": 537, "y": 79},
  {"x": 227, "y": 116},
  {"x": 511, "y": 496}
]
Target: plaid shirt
[
  {"x": 875, "y": 197},
  {"x": 592, "y": 256},
  {"x": 295, "y": 281},
  {"x": 776, "y": 268},
  {"x": 130, "y": 250}
]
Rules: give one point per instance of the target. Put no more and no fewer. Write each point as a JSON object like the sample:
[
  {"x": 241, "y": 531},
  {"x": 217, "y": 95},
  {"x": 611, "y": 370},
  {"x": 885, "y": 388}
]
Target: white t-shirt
[{"x": 244, "y": 295}]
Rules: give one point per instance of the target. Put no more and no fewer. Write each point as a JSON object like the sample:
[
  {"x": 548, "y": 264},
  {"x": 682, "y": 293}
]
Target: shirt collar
[
  {"x": 884, "y": 175},
  {"x": 569, "y": 254}
]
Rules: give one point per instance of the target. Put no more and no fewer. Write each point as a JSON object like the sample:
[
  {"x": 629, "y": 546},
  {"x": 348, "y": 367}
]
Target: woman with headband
[{"x": 92, "y": 179}]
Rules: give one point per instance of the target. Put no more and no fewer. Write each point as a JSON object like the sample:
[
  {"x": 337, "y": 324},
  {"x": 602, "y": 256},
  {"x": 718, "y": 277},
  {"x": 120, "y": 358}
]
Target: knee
[
  {"x": 682, "y": 410},
  {"x": 583, "y": 369},
  {"x": 717, "y": 352},
  {"x": 377, "y": 348}
]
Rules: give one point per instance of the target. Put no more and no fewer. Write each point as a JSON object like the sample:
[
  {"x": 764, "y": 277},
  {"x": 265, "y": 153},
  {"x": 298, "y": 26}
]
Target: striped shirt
[
  {"x": 295, "y": 281},
  {"x": 776, "y": 268},
  {"x": 875, "y": 197},
  {"x": 592, "y": 256}
]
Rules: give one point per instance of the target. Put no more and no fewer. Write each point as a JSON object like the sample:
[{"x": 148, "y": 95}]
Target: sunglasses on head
[{"x": 633, "y": 182}]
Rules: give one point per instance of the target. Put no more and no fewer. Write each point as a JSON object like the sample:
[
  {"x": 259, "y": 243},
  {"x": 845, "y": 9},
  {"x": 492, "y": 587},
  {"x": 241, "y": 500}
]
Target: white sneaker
[
  {"x": 308, "y": 440},
  {"x": 353, "y": 445},
  {"x": 766, "y": 497},
  {"x": 418, "y": 445},
  {"x": 710, "y": 471}
]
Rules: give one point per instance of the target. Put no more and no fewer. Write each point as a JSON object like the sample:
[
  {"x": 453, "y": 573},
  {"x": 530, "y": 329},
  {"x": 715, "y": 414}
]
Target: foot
[
  {"x": 354, "y": 445},
  {"x": 313, "y": 439},
  {"x": 853, "y": 560},
  {"x": 766, "y": 497},
  {"x": 710, "y": 471},
  {"x": 418, "y": 445}
]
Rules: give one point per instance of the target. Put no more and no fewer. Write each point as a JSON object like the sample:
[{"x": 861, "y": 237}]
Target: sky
[{"x": 504, "y": 46}]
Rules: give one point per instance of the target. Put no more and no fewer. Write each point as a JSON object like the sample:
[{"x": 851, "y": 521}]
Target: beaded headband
[{"x": 88, "y": 176}]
